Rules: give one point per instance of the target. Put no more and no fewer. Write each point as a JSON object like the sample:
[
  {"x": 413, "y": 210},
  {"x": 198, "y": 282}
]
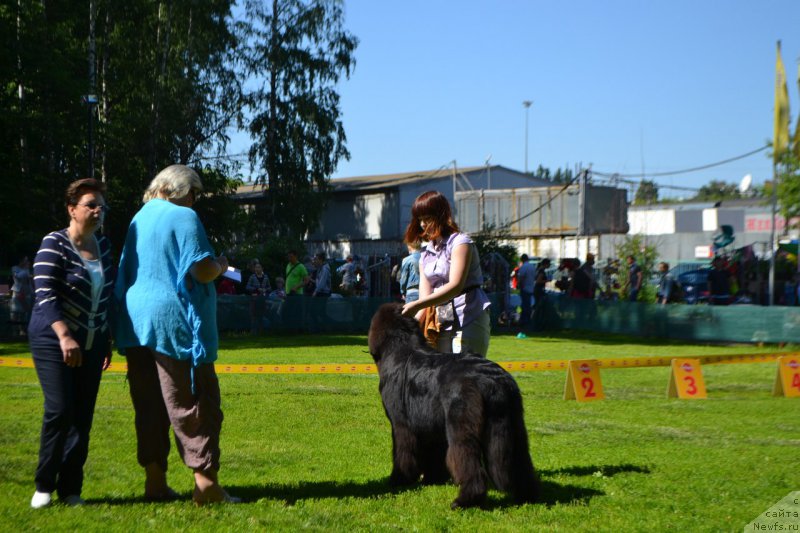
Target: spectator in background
[
  {"x": 634, "y": 283},
  {"x": 322, "y": 291},
  {"x": 584, "y": 283},
  {"x": 257, "y": 288},
  {"x": 563, "y": 276},
  {"x": 610, "y": 288},
  {"x": 258, "y": 283},
  {"x": 275, "y": 301},
  {"x": 361, "y": 275},
  {"x": 70, "y": 339},
  {"x": 668, "y": 289},
  {"x": 21, "y": 294},
  {"x": 719, "y": 283},
  {"x": 226, "y": 286},
  {"x": 296, "y": 279},
  {"x": 279, "y": 293},
  {"x": 409, "y": 274},
  {"x": 296, "y": 274},
  {"x": 322, "y": 288},
  {"x": 540, "y": 293},
  {"x": 526, "y": 280},
  {"x": 348, "y": 272}
]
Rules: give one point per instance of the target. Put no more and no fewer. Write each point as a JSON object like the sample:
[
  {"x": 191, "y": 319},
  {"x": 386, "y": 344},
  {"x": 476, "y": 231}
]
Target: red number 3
[
  {"x": 692, "y": 388},
  {"x": 796, "y": 381},
  {"x": 588, "y": 385}
]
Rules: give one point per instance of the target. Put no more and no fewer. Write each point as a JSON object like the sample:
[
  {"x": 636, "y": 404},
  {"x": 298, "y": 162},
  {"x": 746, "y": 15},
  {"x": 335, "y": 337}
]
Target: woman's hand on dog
[{"x": 411, "y": 309}]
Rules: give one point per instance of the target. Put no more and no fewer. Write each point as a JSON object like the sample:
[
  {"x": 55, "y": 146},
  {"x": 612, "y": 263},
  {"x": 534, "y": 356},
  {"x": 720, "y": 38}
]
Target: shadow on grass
[
  {"x": 14, "y": 348},
  {"x": 552, "y": 493},
  {"x": 595, "y": 470}
]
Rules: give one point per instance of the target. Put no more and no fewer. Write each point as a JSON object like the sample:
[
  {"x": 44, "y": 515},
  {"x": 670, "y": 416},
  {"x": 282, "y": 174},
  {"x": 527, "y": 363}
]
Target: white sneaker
[
  {"x": 73, "y": 500},
  {"x": 41, "y": 499}
]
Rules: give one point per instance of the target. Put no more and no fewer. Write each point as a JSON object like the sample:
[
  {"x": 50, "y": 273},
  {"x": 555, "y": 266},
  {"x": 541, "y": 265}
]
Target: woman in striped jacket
[{"x": 70, "y": 339}]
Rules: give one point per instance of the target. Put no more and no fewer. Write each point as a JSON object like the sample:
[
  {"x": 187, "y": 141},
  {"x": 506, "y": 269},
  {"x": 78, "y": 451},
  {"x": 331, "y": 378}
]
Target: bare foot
[
  {"x": 208, "y": 490},
  {"x": 155, "y": 485}
]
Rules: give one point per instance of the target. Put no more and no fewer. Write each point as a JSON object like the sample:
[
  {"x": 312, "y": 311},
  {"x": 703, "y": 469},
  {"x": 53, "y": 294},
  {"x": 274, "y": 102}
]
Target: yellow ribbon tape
[{"x": 511, "y": 366}]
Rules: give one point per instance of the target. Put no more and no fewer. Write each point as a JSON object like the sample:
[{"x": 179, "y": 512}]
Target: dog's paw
[
  {"x": 435, "y": 478},
  {"x": 400, "y": 480},
  {"x": 463, "y": 502}
]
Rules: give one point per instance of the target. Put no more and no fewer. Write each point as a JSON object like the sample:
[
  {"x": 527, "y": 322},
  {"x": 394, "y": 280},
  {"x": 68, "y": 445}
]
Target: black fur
[{"x": 452, "y": 415}]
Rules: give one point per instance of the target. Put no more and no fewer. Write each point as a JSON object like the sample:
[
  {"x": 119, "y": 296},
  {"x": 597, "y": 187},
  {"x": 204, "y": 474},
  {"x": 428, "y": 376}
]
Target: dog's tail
[{"x": 507, "y": 456}]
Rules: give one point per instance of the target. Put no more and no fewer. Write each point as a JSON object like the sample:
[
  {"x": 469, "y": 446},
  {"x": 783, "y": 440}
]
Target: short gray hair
[{"x": 175, "y": 181}]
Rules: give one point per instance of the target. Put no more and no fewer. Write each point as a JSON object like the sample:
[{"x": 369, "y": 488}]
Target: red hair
[{"x": 432, "y": 205}]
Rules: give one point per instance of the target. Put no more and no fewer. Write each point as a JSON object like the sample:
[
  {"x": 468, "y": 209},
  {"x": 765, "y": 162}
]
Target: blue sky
[{"x": 623, "y": 85}]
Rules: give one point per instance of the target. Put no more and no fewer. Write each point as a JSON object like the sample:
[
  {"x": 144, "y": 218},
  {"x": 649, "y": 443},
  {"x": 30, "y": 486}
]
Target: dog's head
[{"x": 390, "y": 326}]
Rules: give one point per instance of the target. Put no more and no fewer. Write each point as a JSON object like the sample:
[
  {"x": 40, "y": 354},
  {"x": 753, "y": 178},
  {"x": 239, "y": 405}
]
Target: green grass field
[{"x": 313, "y": 451}]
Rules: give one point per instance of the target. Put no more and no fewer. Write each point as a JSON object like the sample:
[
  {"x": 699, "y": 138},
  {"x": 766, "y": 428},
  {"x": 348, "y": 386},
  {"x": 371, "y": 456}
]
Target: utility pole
[
  {"x": 582, "y": 204},
  {"x": 527, "y": 104}
]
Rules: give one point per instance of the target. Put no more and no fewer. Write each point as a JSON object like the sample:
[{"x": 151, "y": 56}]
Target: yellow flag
[{"x": 780, "y": 141}]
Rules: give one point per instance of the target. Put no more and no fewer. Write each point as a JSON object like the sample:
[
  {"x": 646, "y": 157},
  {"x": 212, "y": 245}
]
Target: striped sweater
[{"x": 64, "y": 289}]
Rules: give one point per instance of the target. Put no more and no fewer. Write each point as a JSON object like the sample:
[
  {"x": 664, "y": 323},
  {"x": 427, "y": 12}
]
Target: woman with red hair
[{"x": 451, "y": 277}]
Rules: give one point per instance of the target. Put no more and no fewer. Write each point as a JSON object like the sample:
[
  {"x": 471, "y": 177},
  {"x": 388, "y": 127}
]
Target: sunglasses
[{"x": 94, "y": 205}]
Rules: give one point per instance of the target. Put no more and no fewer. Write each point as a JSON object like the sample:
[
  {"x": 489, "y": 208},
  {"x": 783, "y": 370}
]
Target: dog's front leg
[{"x": 405, "y": 469}]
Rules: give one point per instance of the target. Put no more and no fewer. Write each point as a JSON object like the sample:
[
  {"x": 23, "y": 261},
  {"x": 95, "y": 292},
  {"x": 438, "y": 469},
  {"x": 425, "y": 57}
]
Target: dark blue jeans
[
  {"x": 525, "y": 301},
  {"x": 69, "y": 398}
]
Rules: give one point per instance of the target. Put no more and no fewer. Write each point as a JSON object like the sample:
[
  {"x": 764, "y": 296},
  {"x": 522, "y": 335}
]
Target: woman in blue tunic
[{"x": 167, "y": 329}]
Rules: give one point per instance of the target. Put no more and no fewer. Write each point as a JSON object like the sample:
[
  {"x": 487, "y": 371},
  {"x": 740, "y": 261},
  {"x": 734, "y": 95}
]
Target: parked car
[
  {"x": 695, "y": 285},
  {"x": 682, "y": 268}
]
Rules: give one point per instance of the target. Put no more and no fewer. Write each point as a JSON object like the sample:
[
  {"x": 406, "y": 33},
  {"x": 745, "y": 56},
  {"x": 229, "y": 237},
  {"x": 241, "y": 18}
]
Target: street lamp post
[{"x": 527, "y": 104}]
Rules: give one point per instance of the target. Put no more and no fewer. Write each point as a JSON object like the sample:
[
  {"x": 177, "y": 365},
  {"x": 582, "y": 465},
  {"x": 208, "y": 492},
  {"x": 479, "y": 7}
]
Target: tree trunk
[
  {"x": 273, "y": 181},
  {"x": 92, "y": 85},
  {"x": 104, "y": 115},
  {"x": 23, "y": 167},
  {"x": 162, "y": 50}
]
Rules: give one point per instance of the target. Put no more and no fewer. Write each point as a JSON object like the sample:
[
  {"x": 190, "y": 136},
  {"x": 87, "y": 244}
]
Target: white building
[{"x": 685, "y": 232}]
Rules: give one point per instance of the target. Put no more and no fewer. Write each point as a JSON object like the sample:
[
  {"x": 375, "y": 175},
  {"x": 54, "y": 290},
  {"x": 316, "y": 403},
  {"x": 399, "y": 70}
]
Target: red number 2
[
  {"x": 588, "y": 385},
  {"x": 692, "y": 388}
]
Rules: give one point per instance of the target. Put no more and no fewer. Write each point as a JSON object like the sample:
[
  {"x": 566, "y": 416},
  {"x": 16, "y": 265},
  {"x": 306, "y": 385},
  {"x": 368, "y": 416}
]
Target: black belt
[{"x": 470, "y": 288}]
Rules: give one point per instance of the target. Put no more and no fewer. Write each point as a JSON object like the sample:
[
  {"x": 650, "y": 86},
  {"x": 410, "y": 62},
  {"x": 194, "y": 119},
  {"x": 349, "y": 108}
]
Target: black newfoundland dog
[{"x": 452, "y": 415}]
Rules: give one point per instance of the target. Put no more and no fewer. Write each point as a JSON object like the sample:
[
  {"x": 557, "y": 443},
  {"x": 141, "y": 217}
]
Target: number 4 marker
[{"x": 787, "y": 381}]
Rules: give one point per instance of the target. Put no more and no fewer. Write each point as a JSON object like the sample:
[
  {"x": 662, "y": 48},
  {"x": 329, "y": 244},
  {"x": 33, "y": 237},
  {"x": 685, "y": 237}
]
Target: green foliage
[
  {"x": 42, "y": 75},
  {"x": 559, "y": 176},
  {"x": 493, "y": 239},
  {"x": 221, "y": 217},
  {"x": 169, "y": 80},
  {"x": 270, "y": 251},
  {"x": 314, "y": 452},
  {"x": 646, "y": 193},
  {"x": 717, "y": 190},
  {"x": 789, "y": 187},
  {"x": 167, "y": 92},
  {"x": 299, "y": 50},
  {"x": 646, "y": 256}
]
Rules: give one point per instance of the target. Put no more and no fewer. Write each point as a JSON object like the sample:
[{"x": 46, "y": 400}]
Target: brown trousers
[{"x": 161, "y": 390}]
